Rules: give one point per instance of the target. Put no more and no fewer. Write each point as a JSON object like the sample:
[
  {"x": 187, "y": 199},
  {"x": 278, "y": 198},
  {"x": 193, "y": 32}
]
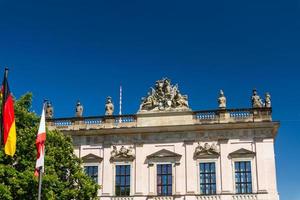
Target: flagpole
[
  {"x": 41, "y": 167},
  {"x": 3, "y": 88},
  {"x": 40, "y": 182}
]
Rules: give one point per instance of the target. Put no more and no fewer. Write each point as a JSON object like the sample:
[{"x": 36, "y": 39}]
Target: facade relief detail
[
  {"x": 206, "y": 151},
  {"x": 164, "y": 97},
  {"x": 124, "y": 153}
]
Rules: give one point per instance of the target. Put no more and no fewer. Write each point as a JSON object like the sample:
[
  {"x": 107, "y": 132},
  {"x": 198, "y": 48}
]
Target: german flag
[{"x": 8, "y": 119}]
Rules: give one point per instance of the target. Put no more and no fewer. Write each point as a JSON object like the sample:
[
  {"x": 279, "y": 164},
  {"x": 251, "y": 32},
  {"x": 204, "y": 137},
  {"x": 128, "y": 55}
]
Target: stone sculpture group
[{"x": 164, "y": 96}]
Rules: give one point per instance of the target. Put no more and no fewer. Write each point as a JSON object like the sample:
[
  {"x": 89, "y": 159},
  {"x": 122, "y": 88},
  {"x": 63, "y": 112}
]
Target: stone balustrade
[{"x": 197, "y": 117}]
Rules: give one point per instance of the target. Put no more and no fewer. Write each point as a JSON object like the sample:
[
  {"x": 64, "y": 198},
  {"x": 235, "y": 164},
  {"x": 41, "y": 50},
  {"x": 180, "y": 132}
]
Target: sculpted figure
[
  {"x": 114, "y": 152},
  {"x": 268, "y": 100},
  {"x": 109, "y": 106},
  {"x": 256, "y": 101},
  {"x": 79, "y": 109},
  {"x": 130, "y": 151},
  {"x": 49, "y": 110},
  {"x": 222, "y": 100},
  {"x": 123, "y": 151}
]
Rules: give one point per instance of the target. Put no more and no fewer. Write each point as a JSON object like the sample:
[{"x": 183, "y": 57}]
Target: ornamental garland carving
[
  {"x": 163, "y": 97},
  {"x": 206, "y": 151},
  {"x": 122, "y": 154}
]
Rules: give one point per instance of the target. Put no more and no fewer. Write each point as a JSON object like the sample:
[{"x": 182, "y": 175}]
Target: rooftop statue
[
  {"x": 222, "y": 100},
  {"x": 164, "y": 97},
  {"x": 78, "y": 109},
  {"x": 268, "y": 100},
  {"x": 109, "y": 106},
  {"x": 256, "y": 100},
  {"x": 49, "y": 110}
]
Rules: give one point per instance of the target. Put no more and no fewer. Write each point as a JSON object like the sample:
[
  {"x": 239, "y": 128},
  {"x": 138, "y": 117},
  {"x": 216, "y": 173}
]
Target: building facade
[{"x": 168, "y": 152}]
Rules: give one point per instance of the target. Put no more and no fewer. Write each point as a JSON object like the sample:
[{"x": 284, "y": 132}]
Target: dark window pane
[
  {"x": 122, "y": 187},
  {"x": 164, "y": 179},
  {"x": 207, "y": 178},
  {"x": 243, "y": 176}
]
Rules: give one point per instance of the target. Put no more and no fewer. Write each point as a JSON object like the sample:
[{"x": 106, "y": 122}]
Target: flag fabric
[
  {"x": 40, "y": 144},
  {"x": 9, "y": 138}
]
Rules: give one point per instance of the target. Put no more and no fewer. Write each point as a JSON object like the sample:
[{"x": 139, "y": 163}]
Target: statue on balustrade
[
  {"x": 49, "y": 110},
  {"x": 78, "y": 109},
  {"x": 256, "y": 100},
  {"x": 268, "y": 100},
  {"x": 222, "y": 100},
  {"x": 164, "y": 97},
  {"x": 109, "y": 106}
]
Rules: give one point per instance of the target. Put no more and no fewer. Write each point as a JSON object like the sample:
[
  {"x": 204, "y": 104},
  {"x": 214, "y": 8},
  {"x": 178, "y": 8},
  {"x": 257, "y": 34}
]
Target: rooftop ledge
[{"x": 162, "y": 118}]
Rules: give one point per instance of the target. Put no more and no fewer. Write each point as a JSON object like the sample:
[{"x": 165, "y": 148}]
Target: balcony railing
[{"x": 199, "y": 117}]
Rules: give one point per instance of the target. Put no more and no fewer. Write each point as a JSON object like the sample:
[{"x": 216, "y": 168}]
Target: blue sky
[{"x": 70, "y": 50}]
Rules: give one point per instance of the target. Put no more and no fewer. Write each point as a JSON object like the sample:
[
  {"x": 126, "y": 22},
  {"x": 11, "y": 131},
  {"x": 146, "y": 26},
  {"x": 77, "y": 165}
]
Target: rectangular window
[
  {"x": 207, "y": 178},
  {"x": 164, "y": 179},
  {"x": 92, "y": 171},
  {"x": 243, "y": 178},
  {"x": 122, "y": 186}
]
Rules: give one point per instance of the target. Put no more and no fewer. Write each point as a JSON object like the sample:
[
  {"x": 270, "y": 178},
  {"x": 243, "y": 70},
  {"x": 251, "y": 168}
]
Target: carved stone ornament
[
  {"x": 206, "y": 151},
  {"x": 122, "y": 154},
  {"x": 163, "y": 97}
]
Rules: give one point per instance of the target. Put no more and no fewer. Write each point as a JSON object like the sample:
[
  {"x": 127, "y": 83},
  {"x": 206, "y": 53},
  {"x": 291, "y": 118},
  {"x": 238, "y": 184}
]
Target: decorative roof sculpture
[
  {"x": 49, "y": 110},
  {"x": 109, "y": 106},
  {"x": 222, "y": 100},
  {"x": 78, "y": 109},
  {"x": 164, "y": 97}
]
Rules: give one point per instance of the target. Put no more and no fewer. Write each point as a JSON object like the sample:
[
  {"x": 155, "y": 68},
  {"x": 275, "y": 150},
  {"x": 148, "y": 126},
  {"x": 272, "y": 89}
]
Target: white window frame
[
  {"x": 93, "y": 164},
  {"x": 217, "y": 170},
  {"x": 173, "y": 164},
  {"x": 132, "y": 176},
  {"x": 253, "y": 173}
]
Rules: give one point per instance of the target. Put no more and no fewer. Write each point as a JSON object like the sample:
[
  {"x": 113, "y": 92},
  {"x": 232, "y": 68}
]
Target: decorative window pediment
[
  {"x": 91, "y": 158},
  {"x": 123, "y": 154},
  {"x": 206, "y": 151},
  {"x": 164, "y": 153},
  {"x": 242, "y": 153}
]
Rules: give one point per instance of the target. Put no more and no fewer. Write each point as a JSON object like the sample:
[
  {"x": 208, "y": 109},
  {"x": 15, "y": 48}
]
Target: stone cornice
[{"x": 201, "y": 128}]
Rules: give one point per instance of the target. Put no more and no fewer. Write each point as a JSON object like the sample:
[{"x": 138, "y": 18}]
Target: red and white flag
[{"x": 40, "y": 144}]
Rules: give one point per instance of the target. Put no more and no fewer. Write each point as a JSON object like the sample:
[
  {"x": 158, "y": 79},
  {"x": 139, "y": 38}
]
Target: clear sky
[{"x": 70, "y": 50}]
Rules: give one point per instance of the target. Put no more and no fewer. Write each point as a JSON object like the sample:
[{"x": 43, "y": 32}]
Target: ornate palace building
[{"x": 169, "y": 152}]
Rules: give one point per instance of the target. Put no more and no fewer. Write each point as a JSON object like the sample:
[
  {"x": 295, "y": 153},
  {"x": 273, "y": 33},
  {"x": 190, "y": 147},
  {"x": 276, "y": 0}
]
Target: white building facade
[{"x": 168, "y": 152}]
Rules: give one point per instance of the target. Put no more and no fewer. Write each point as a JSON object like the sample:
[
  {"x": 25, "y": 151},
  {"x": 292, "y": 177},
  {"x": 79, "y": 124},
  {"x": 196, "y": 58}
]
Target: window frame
[
  {"x": 246, "y": 183},
  {"x": 131, "y": 185},
  {"x": 167, "y": 185},
  {"x": 210, "y": 173},
  {"x": 92, "y": 165},
  {"x": 126, "y": 176},
  {"x": 253, "y": 174},
  {"x": 217, "y": 173}
]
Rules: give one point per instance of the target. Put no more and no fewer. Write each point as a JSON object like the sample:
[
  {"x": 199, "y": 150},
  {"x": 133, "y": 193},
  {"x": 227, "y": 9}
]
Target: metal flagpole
[
  {"x": 120, "y": 104},
  {"x": 41, "y": 167},
  {"x": 40, "y": 182}
]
